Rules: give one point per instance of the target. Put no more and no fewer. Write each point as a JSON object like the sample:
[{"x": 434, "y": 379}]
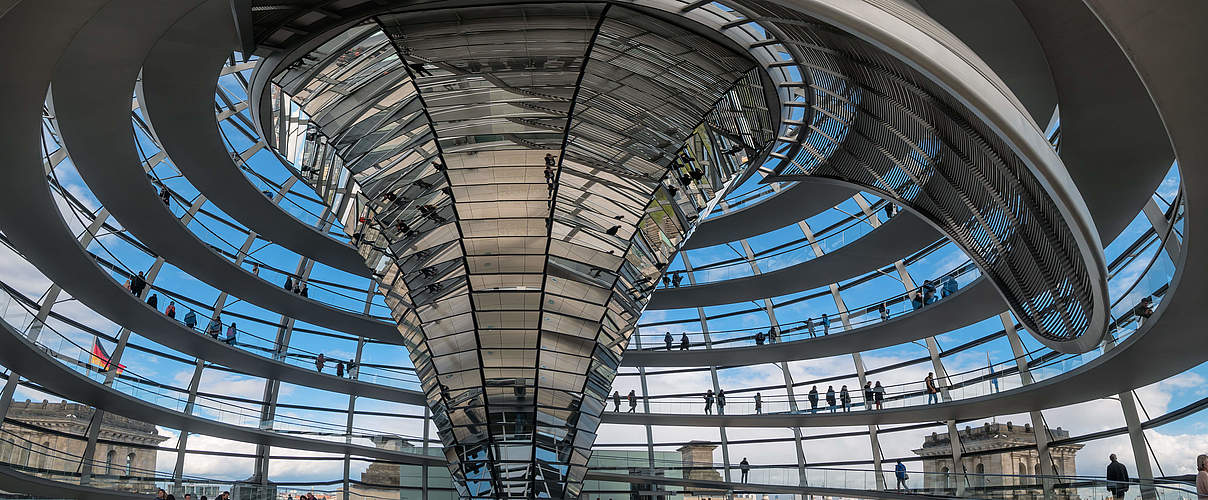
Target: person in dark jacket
[
  {"x": 721, "y": 401},
  {"x": 759, "y": 338},
  {"x": 845, "y": 399},
  {"x": 191, "y": 320},
  {"x": 813, "y": 397},
  {"x": 745, "y": 467},
  {"x": 289, "y": 283},
  {"x": 758, "y": 404},
  {"x": 616, "y": 401},
  {"x": 709, "y": 402},
  {"x": 153, "y": 301},
  {"x": 868, "y": 396},
  {"x": 684, "y": 342},
  {"x": 830, "y": 397},
  {"x": 928, "y": 292},
  {"x": 320, "y": 360},
  {"x": 1117, "y": 477},
  {"x": 340, "y": 369},
  {"x": 667, "y": 340},
  {"x": 137, "y": 284},
  {"x": 633, "y": 400}
]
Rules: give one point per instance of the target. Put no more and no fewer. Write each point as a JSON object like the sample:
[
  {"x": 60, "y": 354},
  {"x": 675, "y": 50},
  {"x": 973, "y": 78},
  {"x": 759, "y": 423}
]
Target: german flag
[{"x": 100, "y": 358}]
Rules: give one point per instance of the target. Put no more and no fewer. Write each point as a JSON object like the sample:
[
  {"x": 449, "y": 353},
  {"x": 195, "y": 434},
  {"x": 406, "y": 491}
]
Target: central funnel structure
[{"x": 518, "y": 178}]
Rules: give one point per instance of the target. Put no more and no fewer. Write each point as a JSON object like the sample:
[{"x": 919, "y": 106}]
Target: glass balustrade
[
  {"x": 69, "y": 349},
  {"x": 858, "y": 317},
  {"x": 795, "y": 253}
]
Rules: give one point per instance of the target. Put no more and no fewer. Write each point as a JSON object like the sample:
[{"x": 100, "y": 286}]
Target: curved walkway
[
  {"x": 709, "y": 487},
  {"x": 1002, "y": 37},
  {"x": 1160, "y": 38},
  {"x": 798, "y": 202},
  {"x": 14, "y": 481},
  {"x": 92, "y": 86},
  {"x": 178, "y": 337},
  {"x": 1170, "y": 335},
  {"x": 968, "y": 305},
  {"x": 179, "y": 77},
  {"x": 30, "y": 217},
  {"x": 1108, "y": 121},
  {"x": 902, "y": 235},
  {"x": 21, "y": 356}
]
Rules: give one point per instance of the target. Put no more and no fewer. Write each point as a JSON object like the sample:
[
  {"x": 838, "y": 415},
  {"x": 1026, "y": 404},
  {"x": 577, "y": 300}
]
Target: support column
[
  {"x": 646, "y": 408},
  {"x": 272, "y": 387},
  {"x": 1157, "y": 219},
  {"x": 424, "y": 480},
  {"x": 1039, "y": 428},
  {"x": 1136, "y": 438},
  {"x": 802, "y": 478},
  {"x": 874, "y": 442},
  {"x": 704, "y": 328},
  {"x": 182, "y": 442},
  {"x": 115, "y": 359},
  {"x": 1128, "y": 405},
  {"x": 877, "y": 457},
  {"x": 49, "y": 299},
  {"x": 937, "y": 365},
  {"x": 199, "y": 366},
  {"x": 784, "y": 369},
  {"x": 352, "y": 404}
]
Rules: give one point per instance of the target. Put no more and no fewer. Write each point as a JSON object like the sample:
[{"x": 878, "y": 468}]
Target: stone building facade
[
  {"x": 121, "y": 460},
  {"x": 1010, "y": 467}
]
